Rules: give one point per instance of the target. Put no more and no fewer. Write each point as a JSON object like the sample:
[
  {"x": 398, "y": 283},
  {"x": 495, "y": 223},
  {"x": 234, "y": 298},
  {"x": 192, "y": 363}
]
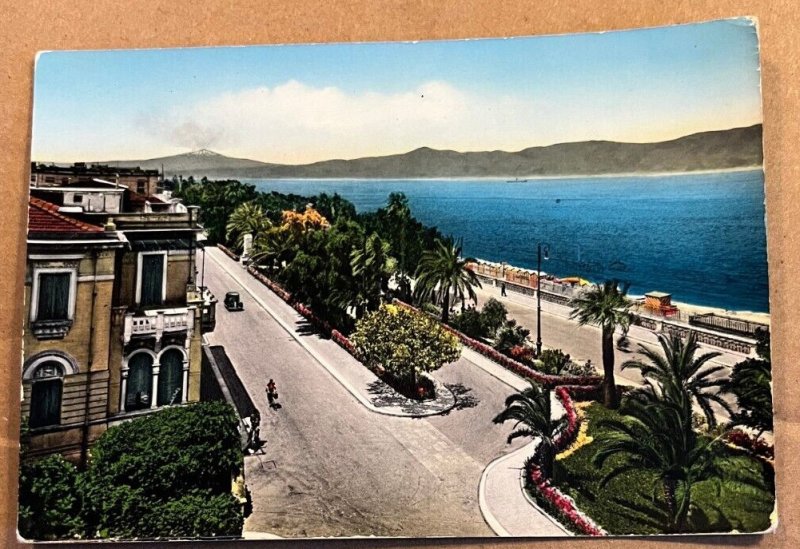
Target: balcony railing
[{"x": 158, "y": 322}]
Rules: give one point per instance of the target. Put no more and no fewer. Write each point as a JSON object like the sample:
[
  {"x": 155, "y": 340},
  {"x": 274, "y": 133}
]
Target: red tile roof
[{"x": 44, "y": 218}]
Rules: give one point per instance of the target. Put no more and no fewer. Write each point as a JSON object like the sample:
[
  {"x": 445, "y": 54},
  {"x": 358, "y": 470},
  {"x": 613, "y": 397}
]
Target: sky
[{"x": 303, "y": 103}]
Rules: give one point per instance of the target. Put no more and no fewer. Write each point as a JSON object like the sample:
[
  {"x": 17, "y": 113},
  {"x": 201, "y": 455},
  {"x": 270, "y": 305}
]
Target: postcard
[{"x": 471, "y": 288}]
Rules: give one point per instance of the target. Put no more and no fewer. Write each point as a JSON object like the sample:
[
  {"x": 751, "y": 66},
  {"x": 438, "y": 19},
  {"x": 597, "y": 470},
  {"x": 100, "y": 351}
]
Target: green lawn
[{"x": 633, "y": 503}]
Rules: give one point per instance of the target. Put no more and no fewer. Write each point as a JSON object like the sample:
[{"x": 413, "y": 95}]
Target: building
[
  {"x": 144, "y": 182},
  {"x": 114, "y": 315}
]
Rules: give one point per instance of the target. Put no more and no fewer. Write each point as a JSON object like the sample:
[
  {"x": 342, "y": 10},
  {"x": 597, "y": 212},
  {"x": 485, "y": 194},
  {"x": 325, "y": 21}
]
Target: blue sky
[{"x": 295, "y": 104}]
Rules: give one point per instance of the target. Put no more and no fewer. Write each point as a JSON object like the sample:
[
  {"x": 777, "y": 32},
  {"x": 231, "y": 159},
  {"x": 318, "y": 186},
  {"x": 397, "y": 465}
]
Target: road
[
  {"x": 584, "y": 342},
  {"x": 334, "y": 468}
]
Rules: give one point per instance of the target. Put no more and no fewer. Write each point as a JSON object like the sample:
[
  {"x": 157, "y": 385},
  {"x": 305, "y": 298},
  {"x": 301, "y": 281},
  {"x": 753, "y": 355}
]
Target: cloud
[{"x": 295, "y": 122}]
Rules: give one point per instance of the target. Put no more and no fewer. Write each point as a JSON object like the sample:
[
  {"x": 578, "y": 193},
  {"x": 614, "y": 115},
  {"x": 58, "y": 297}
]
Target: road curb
[{"x": 324, "y": 362}]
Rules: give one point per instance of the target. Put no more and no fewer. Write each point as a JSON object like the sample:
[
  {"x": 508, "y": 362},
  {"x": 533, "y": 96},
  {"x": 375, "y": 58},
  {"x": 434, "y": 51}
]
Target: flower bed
[
  {"x": 322, "y": 325},
  {"x": 546, "y": 380},
  {"x": 760, "y": 448},
  {"x": 227, "y": 251},
  {"x": 548, "y": 495}
]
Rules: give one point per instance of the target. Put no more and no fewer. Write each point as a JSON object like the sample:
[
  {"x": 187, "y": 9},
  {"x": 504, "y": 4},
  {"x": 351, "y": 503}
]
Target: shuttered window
[
  {"x": 152, "y": 279},
  {"x": 53, "y": 301},
  {"x": 46, "y": 395},
  {"x": 140, "y": 382},
  {"x": 170, "y": 378}
]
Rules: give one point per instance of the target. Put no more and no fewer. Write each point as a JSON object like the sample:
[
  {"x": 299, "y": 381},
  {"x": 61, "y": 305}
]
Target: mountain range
[{"x": 713, "y": 150}]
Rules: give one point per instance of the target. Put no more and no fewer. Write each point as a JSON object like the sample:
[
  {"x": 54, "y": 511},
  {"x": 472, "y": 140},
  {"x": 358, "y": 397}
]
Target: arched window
[
  {"x": 46, "y": 390},
  {"x": 170, "y": 377},
  {"x": 140, "y": 382}
]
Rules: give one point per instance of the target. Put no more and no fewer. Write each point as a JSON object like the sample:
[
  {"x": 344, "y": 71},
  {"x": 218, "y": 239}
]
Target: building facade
[
  {"x": 114, "y": 316},
  {"x": 146, "y": 182}
]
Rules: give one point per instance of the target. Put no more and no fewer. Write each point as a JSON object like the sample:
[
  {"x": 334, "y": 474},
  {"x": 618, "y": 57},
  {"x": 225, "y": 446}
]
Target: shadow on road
[{"x": 463, "y": 397}]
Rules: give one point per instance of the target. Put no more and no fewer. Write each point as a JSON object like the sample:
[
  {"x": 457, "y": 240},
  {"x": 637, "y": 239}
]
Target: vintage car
[{"x": 232, "y": 302}]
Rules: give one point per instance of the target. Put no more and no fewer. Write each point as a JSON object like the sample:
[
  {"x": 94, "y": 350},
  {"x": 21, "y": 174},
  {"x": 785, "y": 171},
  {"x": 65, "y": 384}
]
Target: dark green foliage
[
  {"x": 531, "y": 411},
  {"x": 741, "y": 497},
  {"x": 217, "y": 201},
  {"x": 510, "y": 335},
  {"x": 49, "y": 508},
  {"x": 493, "y": 315},
  {"x": 198, "y": 513},
  {"x": 750, "y": 382},
  {"x": 470, "y": 322},
  {"x": 554, "y": 361},
  {"x": 146, "y": 467}
]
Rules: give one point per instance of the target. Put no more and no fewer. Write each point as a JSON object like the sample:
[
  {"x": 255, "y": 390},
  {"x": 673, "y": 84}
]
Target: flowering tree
[{"x": 404, "y": 342}]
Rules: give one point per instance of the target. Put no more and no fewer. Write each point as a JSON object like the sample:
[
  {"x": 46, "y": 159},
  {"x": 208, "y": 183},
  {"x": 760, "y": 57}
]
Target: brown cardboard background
[{"x": 27, "y": 26}]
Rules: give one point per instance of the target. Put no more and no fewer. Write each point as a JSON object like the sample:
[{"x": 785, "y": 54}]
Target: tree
[
  {"x": 143, "y": 471},
  {"x": 470, "y": 322},
  {"x": 608, "y": 307},
  {"x": 247, "y": 218},
  {"x": 554, "y": 361},
  {"x": 531, "y": 411},
  {"x": 372, "y": 267},
  {"x": 656, "y": 434},
  {"x": 443, "y": 271},
  {"x": 677, "y": 365},
  {"x": 49, "y": 508},
  {"x": 493, "y": 314},
  {"x": 509, "y": 336},
  {"x": 751, "y": 384},
  {"x": 403, "y": 342}
]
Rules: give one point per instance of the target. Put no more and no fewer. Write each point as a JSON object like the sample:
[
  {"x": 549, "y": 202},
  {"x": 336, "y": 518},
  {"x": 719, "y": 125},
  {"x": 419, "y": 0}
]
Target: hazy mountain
[{"x": 724, "y": 149}]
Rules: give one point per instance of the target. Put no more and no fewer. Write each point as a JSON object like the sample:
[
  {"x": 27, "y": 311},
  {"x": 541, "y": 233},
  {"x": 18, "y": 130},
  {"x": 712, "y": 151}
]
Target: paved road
[
  {"x": 332, "y": 467},
  {"x": 584, "y": 342}
]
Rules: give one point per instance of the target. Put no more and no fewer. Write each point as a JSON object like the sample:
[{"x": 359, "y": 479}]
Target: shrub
[
  {"x": 493, "y": 315},
  {"x": 509, "y": 336},
  {"x": 757, "y": 446},
  {"x": 750, "y": 382},
  {"x": 141, "y": 468},
  {"x": 554, "y": 361},
  {"x": 49, "y": 508},
  {"x": 522, "y": 353},
  {"x": 471, "y": 323}
]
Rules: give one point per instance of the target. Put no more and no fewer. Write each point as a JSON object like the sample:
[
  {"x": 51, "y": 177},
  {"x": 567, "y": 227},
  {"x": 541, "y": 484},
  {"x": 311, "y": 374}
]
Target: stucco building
[{"x": 114, "y": 314}]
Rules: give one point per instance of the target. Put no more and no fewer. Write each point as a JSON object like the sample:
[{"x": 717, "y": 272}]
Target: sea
[{"x": 699, "y": 236}]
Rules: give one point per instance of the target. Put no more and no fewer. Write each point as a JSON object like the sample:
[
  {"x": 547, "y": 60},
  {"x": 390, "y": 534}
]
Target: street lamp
[{"x": 539, "y": 249}]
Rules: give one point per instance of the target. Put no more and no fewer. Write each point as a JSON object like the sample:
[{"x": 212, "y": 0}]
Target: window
[
  {"x": 141, "y": 186},
  {"x": 151, "y": 279},
  {"x": 140, "y": 382},
  {"x": 170, "y": 378},
  {"x": 49, "y": 179},
  {"x": 46, "y": 392},
  {"x": 77, "y": 198},
  {"x": 54, "y": 296}
]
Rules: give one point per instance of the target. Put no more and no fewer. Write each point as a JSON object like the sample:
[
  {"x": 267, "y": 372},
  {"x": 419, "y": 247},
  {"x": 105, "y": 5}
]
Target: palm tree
[
  {"x": 273, "y": 247},
  {"x": 372, "y": 267},
  {"x": 443, "y": 271},
  {"x": 532, "y": 412},
  {"x": 608, "y": 307},
  {"x": 247, "y": 218},
  {"x": 677, "y": 366},
  {"x": 657, "y": 434}
]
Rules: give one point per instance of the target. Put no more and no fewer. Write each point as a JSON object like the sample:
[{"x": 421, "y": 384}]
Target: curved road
[{"x": 332, "y": 467}]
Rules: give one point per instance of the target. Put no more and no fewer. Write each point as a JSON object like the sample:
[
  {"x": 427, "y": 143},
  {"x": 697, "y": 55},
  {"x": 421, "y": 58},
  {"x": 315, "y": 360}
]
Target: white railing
[{"x": 157, "y": 322}]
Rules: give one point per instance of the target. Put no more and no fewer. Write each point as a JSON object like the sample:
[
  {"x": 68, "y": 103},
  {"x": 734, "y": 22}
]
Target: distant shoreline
[{"x": 523, "y": 179}]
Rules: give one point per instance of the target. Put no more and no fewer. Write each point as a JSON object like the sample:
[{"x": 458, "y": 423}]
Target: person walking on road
[
  {"x": 272, "y": 393},
  {"x": 503, "y": 289}
]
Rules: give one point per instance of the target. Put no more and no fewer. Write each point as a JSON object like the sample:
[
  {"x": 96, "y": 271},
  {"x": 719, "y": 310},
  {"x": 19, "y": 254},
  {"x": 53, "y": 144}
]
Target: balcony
[
  {"x": 50, "y": 329},
  {"x": 157, "y": 322}
]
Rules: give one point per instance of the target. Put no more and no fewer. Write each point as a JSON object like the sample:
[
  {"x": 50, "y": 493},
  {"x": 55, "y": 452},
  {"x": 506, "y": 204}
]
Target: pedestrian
[
  {"x": 272, "y": 392},
  {"x": 503, "y": 289}
]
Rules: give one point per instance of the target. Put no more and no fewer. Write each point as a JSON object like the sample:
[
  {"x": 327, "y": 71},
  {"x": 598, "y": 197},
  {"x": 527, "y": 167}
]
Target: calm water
[{"x": 700, "y": 237}]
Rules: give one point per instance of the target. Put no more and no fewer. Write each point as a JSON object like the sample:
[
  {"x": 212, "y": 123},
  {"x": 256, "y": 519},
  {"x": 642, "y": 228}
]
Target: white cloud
[{"x": 295, "y": 123}]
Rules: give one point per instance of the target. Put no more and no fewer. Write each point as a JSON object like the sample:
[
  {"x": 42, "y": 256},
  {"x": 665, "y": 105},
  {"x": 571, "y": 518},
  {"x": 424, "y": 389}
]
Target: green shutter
[
  {"x": 140, "y": 382},
  {"x": 53, "y": 301},
  {"x": 152, "y": 279},
  {"x": 45, "y": 403},
  {"x": 170, "y": 378}
]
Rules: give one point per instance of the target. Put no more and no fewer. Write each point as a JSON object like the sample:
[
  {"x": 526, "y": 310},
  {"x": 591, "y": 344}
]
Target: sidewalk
[{"x": 360, "y": 382}]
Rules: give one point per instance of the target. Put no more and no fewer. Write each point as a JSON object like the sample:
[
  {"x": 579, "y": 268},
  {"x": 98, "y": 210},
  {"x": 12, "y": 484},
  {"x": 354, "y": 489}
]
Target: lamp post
[{"x": 539, "y": 249}]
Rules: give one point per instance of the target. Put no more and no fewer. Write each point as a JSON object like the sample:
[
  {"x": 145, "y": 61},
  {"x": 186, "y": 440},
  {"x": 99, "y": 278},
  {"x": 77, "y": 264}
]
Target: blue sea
[{"x": 700, "y": 237}]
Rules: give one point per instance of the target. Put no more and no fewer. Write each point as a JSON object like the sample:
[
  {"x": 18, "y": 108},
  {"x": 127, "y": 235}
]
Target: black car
[{"x": 232, "y": 302}]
